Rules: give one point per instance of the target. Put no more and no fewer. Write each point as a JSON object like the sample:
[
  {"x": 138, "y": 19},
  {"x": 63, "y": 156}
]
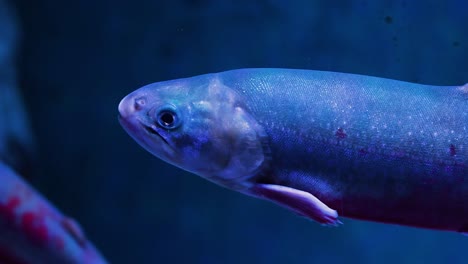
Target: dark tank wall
[
  {"x": 77, "y": 59},
  {"x": 16, "y": 145}
]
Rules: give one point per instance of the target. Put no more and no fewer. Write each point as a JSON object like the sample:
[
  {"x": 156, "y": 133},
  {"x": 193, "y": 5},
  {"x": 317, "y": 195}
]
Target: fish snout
[{"x": 131, "y": 104}]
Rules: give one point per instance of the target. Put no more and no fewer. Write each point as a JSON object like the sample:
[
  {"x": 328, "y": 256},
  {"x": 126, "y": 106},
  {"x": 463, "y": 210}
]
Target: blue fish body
[
  {"x": 34, "y": 231},
  {"x": 322, "y": 144}
]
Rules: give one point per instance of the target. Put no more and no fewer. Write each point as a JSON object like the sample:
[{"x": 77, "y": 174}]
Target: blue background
[{"x": 79, "y": 58}]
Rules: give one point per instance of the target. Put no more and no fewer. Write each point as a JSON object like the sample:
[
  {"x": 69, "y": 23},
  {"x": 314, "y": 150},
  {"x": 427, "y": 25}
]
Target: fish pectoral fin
[
  {"x": 301, "y": 202},
  {"x": 75, "y": 231}
]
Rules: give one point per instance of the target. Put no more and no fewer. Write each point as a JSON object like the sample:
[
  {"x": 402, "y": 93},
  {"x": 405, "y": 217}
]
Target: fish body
[
  {"x": 33, "y": 231},
  {"x": 322, "y": 144}
]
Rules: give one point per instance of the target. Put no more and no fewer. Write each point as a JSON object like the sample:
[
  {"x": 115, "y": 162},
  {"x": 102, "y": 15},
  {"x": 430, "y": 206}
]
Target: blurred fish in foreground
[{"x": 31, "y": 229}]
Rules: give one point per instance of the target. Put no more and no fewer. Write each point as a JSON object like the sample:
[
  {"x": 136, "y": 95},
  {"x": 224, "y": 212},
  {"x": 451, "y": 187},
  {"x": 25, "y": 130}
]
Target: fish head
[{"x": 197, "y": 124}]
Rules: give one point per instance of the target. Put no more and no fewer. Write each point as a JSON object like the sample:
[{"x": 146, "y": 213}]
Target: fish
[
  {"x": 324, "y": 145},
  {"x": 34, "y": 231}
]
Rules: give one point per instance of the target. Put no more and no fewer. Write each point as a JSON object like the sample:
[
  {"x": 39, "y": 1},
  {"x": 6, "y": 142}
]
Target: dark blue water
[{"x": 79, "y": 58}]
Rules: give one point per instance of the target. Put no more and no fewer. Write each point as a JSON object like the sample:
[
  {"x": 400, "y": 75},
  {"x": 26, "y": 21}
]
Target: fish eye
[{"x": 168, "y": 118}]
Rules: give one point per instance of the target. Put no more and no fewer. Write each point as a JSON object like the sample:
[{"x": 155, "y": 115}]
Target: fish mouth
[
  {"x": 156, "y": 144},
  {"x": 152, "y": 131},
  {"x": 148, "y": 137}
]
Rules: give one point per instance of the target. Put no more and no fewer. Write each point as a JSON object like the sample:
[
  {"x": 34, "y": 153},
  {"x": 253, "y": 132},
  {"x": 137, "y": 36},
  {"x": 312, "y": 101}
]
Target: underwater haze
[{"x": 78, "y": 59}]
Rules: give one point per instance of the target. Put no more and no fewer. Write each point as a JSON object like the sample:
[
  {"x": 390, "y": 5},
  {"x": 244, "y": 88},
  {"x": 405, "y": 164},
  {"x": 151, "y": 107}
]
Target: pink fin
[{"x": 301, "y": 202}]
